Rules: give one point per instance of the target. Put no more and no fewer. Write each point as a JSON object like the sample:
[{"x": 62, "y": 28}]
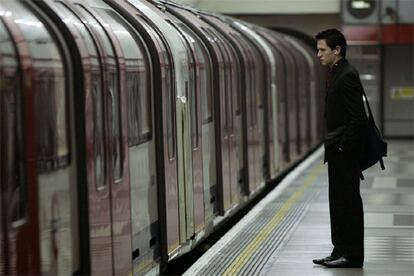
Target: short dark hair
[{"x": 333, "y": 38}]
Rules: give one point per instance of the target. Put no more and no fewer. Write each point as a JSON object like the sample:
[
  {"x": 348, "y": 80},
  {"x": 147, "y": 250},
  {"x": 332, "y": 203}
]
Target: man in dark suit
[{"x": 344, "y": 142}]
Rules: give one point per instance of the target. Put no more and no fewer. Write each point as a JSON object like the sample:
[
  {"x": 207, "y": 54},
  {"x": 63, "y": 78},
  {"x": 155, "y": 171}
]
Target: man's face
[{"x": 325, "y": 54}]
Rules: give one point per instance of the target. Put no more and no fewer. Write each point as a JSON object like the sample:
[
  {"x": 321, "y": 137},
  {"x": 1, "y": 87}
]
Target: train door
[
  {"x": 113, "y": 189},
  {"x": 281, "y": 143},
  {"x": 175, "y": 116},
  {"x": 39, "y": 194},
  {"x": 296, "y": 99},
  {"x": 259, "y": 115},
  {"x": 303, "y": 90},
  {"x": 210, "y": 175},
  {"x": 282, "y": 138},
  {"x": 256, "y": 136},
  {"x": 193, "y": 190},
  {"x": 201, "y": 67},
  {"x": 291, "y": 99},
  {"x": 312, "y": 97},
  {"x": 117, "y": 123},
  {"x": 243, "y": 84},
  {"x": 235, "y": 138},
  {"x": 13, "y": 188},
  {"x": 229, "y": 135},
  {"x": 165, "y": 114},
  {"x": 268, "y": 166},
  {"x": 236, "y": 165},
  {"x": 181, "y": 56},
  {"x": 246, "y": 155},
  {"x": 103, "y": 128},
  {"x": 222, "y": 106},
  {"x": 251, "y": 126},
  {"x": 141, "y": 141}
]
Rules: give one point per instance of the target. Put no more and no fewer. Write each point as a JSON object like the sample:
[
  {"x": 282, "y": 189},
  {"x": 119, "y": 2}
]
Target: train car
[{"x": 132, "y": 130}]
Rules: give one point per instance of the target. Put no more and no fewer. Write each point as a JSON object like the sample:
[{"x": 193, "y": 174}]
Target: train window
[
  {"x": 132, "y": 79},
  {"x": 112, "y": 90},
  {"x": 252, "y": 94},
  {"x": 259, "y": 80},
  {"x": 256, "y": 92},
  {"x": 248, "y": 77},
  {"x": 280, "y": 79},
  {"x": 50, "y": 101},
  {"x": 229, "y": 84},
  {"x": 204, "y": 77},
  {"x": 244, "y": 50},
  {"x": 234, "y": 91},
  {"x": 145, "y": 105},
  {"x": 249, "y": 80},
  {"x": 168, "y": 86},
  {"x": 191, "y": 87},
  {"x": 96, "y": 99},
  {"x": 167, "y": 83},
  {"x": 194, "y": 114},
  {"x": 224, "y": 67},
  {"x": 98, "y": 130},
  {"x": 139, "y": 107},
  {"x": 137, "y": 78},
  {"x": 236, "y": 85},
  {"x": 262, "y": 84},
  {"x": 11, "y": 140},
  {"x": 206, "y": 93},
  {"x": 222, "y": 93}
]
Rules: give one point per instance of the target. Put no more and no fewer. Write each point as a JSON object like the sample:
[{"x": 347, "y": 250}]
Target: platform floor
[{"x": 290, "y": 226}]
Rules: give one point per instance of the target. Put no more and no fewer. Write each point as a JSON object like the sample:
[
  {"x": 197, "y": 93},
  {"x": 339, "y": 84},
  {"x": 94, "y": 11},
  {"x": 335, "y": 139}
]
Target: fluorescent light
[{"x": 360, "y": 5}]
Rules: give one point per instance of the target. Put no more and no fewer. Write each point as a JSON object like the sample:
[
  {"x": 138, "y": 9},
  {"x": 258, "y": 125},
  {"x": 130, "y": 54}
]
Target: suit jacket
[{"x": 346, "y": 121}]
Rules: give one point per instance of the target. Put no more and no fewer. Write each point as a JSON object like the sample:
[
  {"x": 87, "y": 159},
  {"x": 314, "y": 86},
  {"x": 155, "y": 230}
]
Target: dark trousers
[{"x": 345, "y": 207}]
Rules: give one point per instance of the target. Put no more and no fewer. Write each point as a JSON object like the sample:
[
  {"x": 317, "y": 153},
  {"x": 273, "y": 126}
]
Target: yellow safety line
[{"x": 235, "y": 267}]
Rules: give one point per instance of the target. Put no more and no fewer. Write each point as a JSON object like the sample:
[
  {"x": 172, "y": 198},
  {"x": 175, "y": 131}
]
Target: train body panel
[
  {"x": 311, "y": 137},
  {"x": 278, "y": 130},
  {"x": 302, "y": 96},
  {"x": 210, "y": 117},
  {"x": 200, "y": 69},
  {"x": 270, "y": 156},
  {"x": 130, "y": 130},
  {"x": 231, "y": 135},
  {"x": 180, "y": 89}
]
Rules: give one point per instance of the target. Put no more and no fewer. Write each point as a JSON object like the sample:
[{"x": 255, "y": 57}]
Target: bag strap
[
  {"x": 370, "y": 116},
  {"x": 382, "y": 164}
]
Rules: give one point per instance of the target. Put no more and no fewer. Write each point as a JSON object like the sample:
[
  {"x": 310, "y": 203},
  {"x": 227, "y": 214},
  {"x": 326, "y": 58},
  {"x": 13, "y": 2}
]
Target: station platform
[{"x": 290, "y": 226}]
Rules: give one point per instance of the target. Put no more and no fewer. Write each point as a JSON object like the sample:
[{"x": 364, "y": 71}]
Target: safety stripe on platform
[{"x": 244, "y": 250}]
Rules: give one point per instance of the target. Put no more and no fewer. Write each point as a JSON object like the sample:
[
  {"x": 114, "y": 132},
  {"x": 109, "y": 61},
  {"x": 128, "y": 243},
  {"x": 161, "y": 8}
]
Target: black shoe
[
  {"x": 326, "y": 259},
  {"x": 343, "y": 263}
]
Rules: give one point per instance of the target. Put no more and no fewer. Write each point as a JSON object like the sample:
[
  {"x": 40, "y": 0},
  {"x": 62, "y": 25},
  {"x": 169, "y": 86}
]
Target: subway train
[{"x": 131, "y": 130}]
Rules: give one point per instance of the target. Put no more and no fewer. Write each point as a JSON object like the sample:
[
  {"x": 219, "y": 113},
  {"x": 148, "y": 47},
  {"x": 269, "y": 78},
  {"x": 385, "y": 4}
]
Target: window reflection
[
  {"x": 98, "y": 130},
  {"x": 11, "y": 125},
  {"x": 137, "y": 79},
  {"x": 167, "y": 87},
  {"x": 50, "y": 97},
  {"x": 112, "y": 89},
  {"x": 49, "y": 92}
]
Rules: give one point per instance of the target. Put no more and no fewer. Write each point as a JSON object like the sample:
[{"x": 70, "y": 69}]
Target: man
[{"x": 344, "y": 140}]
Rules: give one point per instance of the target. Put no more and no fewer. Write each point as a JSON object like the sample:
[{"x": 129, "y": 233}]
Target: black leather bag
[{"x": 376, "y": 147}]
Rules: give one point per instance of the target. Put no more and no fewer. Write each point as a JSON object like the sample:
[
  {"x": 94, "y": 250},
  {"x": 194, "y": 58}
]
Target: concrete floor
[{"x": 290, "y": 227}]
